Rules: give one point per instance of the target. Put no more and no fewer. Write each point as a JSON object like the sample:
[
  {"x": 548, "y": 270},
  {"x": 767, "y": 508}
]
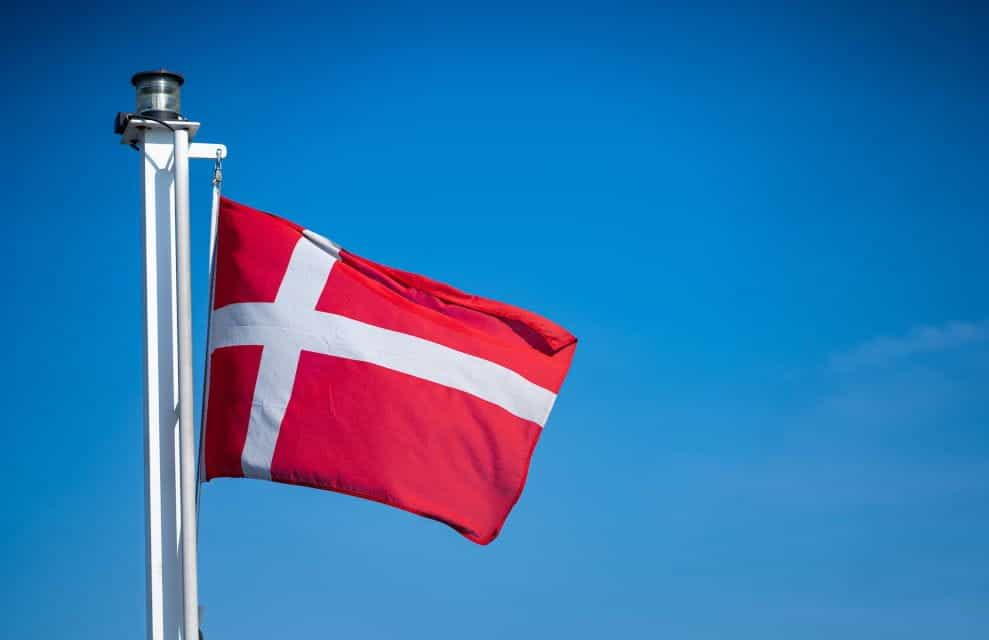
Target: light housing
[{"x": 158, "y": 94}]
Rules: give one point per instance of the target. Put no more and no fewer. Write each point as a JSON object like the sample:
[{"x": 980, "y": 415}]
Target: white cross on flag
[{"x": 331, "y": 371}]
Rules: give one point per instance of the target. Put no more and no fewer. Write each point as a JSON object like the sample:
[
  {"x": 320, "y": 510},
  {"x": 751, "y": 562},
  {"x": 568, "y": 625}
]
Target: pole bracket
[
  {"x": 207, "y": 151},
  {"x": 134, "y": 126}
]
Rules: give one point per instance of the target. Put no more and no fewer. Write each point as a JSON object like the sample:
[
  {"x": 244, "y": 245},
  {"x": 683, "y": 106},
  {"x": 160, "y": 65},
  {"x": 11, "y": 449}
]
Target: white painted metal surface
[
  {"x": 187, "y": 426},
  {"x": 207, "y": 150},
  {"x": 162, "y": 499},
  {"x": 170, "y": 478}
]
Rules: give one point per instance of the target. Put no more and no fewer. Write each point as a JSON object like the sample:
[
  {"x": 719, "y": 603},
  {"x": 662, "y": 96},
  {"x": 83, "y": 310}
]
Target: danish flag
[{"x": 331, "y": 371}]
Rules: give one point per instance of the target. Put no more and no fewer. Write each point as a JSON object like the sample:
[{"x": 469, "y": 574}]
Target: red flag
[{"x": 332, "y": 371}]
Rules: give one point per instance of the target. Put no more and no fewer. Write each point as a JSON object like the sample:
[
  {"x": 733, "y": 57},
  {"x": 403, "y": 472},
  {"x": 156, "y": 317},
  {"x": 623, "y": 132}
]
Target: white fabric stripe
[
  {"x": 305, "y": 277},
  {"x": 292, "y": 324},
  {"x": 343, "y": 337},
  {"x": 276, "y": 377},
  {"x": 323, "y": 243},
  {"x": 304, "y": 280}
]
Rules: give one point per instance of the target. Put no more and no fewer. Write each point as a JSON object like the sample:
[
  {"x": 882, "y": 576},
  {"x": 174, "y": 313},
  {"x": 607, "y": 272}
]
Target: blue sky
[{"x": 768, "y": 228}]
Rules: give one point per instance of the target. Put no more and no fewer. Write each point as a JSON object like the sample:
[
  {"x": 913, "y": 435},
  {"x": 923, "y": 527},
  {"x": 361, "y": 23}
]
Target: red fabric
[
  {"x": 233, "y": 371},
  {"x": 375, "y": 433},
  {"x": 247, "y": 235},
  {"x": 364, "y": 291},
  {"x": 366, "y": 430}
]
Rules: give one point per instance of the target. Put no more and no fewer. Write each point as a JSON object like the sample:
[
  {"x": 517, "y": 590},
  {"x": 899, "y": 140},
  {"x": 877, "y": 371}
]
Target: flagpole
[
  {"x": 162, "y": 136},
  {"x": 187, "y": 428}
]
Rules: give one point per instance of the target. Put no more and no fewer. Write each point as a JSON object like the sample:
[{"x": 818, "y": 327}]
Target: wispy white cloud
[{"x": 886, "y": 350}]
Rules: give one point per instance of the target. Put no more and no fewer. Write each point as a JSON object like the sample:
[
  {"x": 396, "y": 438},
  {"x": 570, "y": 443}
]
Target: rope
[{"x": 214, "y": 212}]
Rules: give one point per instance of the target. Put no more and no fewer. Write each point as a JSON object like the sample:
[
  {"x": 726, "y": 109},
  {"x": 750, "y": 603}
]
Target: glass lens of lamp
[{"x": 159, "y": 93}]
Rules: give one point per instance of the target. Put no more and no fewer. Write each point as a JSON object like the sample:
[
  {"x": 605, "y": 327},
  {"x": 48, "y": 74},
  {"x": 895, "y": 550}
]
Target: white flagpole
[
  {"x": 162, "y": 511},
  {"x": 162, "y": 136},
  {"x": 187, "y": 427}
]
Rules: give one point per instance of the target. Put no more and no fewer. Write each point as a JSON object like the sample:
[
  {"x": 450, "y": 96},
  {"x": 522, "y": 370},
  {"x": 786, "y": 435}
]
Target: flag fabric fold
[{"x": 332, "y": 371}]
